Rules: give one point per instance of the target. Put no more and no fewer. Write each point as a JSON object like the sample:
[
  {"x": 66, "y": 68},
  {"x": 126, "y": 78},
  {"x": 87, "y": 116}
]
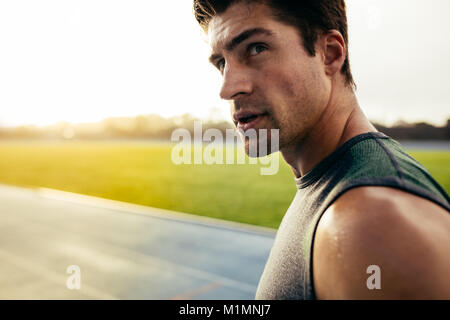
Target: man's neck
[{"x": 341, "y": 120}]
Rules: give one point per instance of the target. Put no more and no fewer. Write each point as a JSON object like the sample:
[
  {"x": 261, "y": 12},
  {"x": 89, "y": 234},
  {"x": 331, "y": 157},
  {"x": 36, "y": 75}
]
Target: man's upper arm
[{"x": 405, "y": 236}]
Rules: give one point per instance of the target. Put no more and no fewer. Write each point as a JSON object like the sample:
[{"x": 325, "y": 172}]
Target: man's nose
[{"x": 236, "y": 81}]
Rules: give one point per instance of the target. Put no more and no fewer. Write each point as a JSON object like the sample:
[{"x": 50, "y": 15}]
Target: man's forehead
[{"x": 237, "y": 18}]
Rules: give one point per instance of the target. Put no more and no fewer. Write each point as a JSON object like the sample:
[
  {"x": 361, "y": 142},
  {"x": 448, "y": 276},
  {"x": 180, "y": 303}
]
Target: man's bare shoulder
[{"x": 406, "y": 236}]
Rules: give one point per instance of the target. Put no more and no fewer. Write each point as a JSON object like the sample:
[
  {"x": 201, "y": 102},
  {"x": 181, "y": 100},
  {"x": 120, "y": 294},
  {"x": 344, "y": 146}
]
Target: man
[{"x": 368, "y": 221}]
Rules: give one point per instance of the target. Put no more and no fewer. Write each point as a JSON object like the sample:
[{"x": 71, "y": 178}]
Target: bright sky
[{"x": 85, "y": 60}]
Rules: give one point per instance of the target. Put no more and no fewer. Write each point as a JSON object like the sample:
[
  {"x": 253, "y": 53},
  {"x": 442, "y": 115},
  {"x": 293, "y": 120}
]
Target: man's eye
[
  {"x": 221, "y": 64},
  {"x": 255, "y": 49}
]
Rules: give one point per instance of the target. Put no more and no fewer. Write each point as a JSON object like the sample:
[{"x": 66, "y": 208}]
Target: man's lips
[{"x": 247, "y": 120}]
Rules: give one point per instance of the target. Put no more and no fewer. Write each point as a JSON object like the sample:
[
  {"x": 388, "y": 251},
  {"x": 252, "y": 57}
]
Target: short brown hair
[{"x": 309, "y": 16}]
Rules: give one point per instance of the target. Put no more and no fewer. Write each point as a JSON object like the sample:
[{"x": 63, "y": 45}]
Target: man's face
[{"x": 267, "y": 73}]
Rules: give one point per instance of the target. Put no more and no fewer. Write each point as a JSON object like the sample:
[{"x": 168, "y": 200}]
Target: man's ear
[{"x": 334, "y": 51}]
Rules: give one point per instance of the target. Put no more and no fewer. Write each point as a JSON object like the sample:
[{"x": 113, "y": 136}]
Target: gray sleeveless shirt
[{"x": 370, "y": 159}]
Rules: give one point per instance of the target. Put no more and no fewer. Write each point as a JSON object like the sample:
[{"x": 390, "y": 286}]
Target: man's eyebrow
[{"x": 230, "y": 46}]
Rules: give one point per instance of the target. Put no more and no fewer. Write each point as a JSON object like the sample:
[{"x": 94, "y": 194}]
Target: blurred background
[{"x": 90, "y": 93}]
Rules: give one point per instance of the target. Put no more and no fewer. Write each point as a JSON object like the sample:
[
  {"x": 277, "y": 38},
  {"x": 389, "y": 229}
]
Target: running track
[{"x": 123, "y": 251}]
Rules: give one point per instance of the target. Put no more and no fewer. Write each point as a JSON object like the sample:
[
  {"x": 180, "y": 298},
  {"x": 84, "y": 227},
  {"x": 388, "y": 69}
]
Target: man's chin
[{"x": 256, "y": 149}]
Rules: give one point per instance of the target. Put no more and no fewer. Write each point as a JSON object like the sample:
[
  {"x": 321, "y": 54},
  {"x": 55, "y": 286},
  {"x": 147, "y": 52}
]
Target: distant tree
[{"x": 154, "y": 126}]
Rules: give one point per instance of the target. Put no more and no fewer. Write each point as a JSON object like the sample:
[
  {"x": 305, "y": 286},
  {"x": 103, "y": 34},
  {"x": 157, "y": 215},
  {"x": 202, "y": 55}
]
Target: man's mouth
[{"x": 248, "y": 120}]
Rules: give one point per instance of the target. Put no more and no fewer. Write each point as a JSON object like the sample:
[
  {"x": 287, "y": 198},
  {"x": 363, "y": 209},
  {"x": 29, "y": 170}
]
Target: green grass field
[{"x": 144, "y": 174}]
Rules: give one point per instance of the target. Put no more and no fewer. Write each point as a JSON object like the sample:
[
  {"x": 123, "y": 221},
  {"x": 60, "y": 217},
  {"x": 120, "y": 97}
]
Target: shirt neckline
[{"x": 315, "y": 173}]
